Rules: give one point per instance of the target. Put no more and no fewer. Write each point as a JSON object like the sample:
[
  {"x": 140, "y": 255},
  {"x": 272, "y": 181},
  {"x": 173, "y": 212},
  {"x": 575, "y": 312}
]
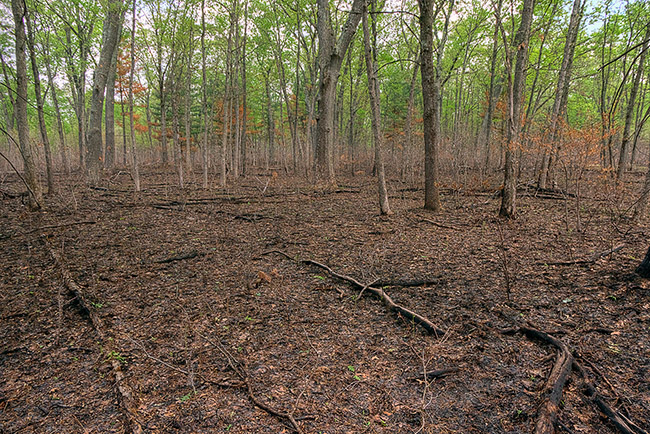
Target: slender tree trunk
[
  {"x": 515, "y": 103},
  {"x": 135, "y": 171},
  {"x": 408, "y": 127},
  {"x": 270, "y": 123},
  {"x": 629, "y": 112},
  {"x": 20, "y": 107},
  {"x": 204, "y": 103},
  {"x": 564, "y": 80},
  {"x": 244, "y": 153},
  {"x": 188, "y": 104},
  {"x": 39, "y": 105},
  {"x": 94, "y": 135},
  {"x": 226, "y": 97},
  {"x": 59, "y": 121},
  {"x": 331, "y": 54},
  {"x": 373, "y": 91}
]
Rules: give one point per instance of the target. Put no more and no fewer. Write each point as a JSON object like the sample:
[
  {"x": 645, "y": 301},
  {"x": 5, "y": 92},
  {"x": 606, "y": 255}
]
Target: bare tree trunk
[
  {"x": 331, "y": 54},
  {"x": 35, "y": 198},
  {"x": 134, "y": 157},
  {"x": 373, "y": 90},
  {"x": 270, "y": 122},
  {"x": 204, "y": 103},
  {"x": 629, "y": 112},
  {"x": 564, "y": 79},
  {"x": 408, "y": 127},
  {"x": 109, "y": 116},
  {"x": 59, "y": 121},
  {"x": 188, "y": 104},
  {"x": 110, "y": 40},
  {"x": 226, "y": 98},
  {"x": 431, "y": 97},
  {"x": 39, "y": 105},
  {"x": 244, "y": 90},
  {"x": 515, "y": 102}
]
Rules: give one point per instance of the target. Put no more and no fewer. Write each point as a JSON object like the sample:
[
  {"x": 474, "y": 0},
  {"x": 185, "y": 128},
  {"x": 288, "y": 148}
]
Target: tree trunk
[
  {"x": 629, "y": 112},
  {"x": 643, "y": 269},
  {"x": 110, "y": 40},
  {"x": 244, "y": 91},
  {"x": 373, "y": 91},
  {"x": 431, "y": 98},
  {"x": 59, "y": 121},
  {"x": 39, "y": 105},
  {"x": 331, "y": 54},
  {"x": 408, "y": 127},
  {"x": 515, "y": 102},
  {"x": 109, "y": 116},
  {"x": 204, "y": 102},
  {"x": 188, "y": 104},
  {"x": 135, "y": 171},
  {"x": 20, "y": 107}
]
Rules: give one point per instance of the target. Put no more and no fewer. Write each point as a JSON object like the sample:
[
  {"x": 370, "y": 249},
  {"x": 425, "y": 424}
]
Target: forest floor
[{"x": 194, "y": 325}]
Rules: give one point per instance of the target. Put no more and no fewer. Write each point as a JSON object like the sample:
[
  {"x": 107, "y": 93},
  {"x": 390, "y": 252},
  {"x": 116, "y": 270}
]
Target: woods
[{"x": 310, "y": 216}]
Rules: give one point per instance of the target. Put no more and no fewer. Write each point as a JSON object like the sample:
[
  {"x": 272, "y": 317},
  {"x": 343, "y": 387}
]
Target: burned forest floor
[{"x": 198, "y": 311}]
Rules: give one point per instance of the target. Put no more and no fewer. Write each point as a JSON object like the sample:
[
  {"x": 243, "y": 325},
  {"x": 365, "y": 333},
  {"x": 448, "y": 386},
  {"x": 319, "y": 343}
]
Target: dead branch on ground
[
  {"x": 240, "y": 370},
  {"x": 592, "y": 260},
  {"x": 126, "y": 398},
  {"x": 380, "y": 293}
]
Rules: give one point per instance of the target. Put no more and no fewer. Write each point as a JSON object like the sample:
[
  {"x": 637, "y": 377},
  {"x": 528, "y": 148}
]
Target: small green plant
[
  {"x": 187, "y": 396},
  {"x": 248, "y": 318},
  {"x": 351, "y": 368},
  {"x": 96, "y": 305},
  {"x": 316, "y": 276},
  {"x": 114, "y": 355},
  {"x": 227, "y": 428}
]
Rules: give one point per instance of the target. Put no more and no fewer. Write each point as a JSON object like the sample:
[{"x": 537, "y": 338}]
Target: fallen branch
[
  {"x": 618, "y": 420},
  {"x": 547, "y": 414},
  {"x": 380, "y": 293},
  {"x": 593, "y": 259},
  {"x": 437, "y": 373},
  {"x": 440, "y": 225},
  {"x": 182, "y": 257},
  {"x": 126, "y": 397},
  {"x": 405, "y": 283},
  {"x": 62, "y": 225},
  {"x": 239, "y": 369}
]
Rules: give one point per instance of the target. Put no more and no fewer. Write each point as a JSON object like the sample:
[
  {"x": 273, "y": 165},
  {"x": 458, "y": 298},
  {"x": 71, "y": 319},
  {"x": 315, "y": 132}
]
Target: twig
[
  {"x": 241, "y": 372},
  {"x": 385, "y": 298},
  {"x": 593, "y": 259},
  {"x": 440, "y": 225},
  {"x": 366, "y": 287},
  {"x": 437, "y": 373},
  {"x": 190, "y": 255}
]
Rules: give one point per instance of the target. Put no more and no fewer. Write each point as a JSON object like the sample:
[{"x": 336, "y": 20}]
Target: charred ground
[{"x": 189, "y": 297}]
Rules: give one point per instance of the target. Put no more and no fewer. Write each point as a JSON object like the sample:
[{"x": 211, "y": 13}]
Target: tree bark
[
  {"x": 135, "y": 171},
  {"x": 109, "y": 116},
  {"x": 331, "y": 54},
  {"x": 431, "y": 97},
  {"x": 515, "y": 102},
  {"x": 20, "y": 107},
  {"x": 643, "y": 269},
  {"x": 373, "y": 91},
  {"x": 39, "y": 105},
  {"x": 110, "y": 40},
  {"x": 204, "y": 102},
  {"x": 631, "y": 104}
]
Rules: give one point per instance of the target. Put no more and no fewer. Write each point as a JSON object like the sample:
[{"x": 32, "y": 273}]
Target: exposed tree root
[
  {"x": 240, "y": 370},
  {"x": 547, "y": 414},
  {"x": 619, "y": 420},
  {"x": 437, "y": 373},
  {"x": 440, "y": 225},
  {"x": 380, "y": 293},
  {"x": 126, "y": 398}
]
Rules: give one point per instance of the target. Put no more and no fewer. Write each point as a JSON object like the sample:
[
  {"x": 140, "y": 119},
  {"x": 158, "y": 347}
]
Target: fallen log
[
  {"x": 127, "y": 401},
  {"x": 547, "y": 413}
]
